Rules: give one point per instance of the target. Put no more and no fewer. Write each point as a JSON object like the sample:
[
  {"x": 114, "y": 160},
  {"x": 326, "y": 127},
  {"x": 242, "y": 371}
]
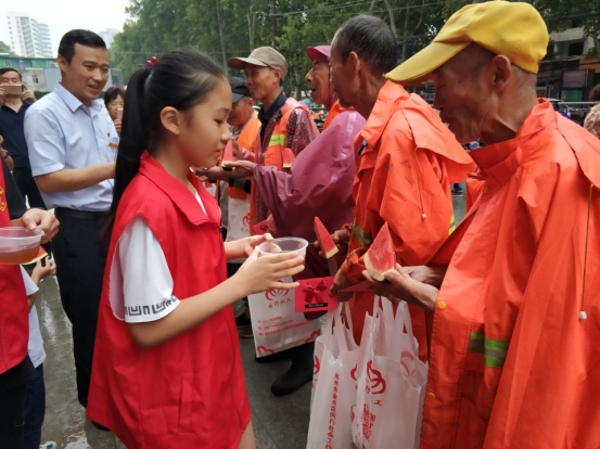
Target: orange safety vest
[{"x": 273, "y": 155}]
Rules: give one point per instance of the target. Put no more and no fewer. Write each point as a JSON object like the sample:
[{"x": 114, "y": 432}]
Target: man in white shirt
[{"x": 72, "y": 148}]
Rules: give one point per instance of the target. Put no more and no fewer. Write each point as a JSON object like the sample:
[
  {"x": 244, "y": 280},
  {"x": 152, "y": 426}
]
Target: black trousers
[
  {"x": 80, "y": 259},
  {"x": 13, "y": 388},
  {"x": 28, "y": 187}
]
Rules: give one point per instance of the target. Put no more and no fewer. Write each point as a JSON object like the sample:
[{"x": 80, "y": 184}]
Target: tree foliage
[{"x": 226, "y": 28}]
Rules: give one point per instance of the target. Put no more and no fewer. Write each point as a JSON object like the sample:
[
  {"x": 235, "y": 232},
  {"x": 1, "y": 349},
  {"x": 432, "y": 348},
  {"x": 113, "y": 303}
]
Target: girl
[{"x": 167, "y": 369}]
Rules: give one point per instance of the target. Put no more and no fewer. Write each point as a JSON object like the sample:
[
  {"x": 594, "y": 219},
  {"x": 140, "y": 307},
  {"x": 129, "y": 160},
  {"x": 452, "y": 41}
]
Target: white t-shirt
[
  {"x": 35, "y": 345},
  {"x": 141, "y": 285}
]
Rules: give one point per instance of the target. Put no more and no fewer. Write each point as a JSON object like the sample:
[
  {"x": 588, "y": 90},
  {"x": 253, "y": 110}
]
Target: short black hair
[
  {"x": 10, "y": 69},
  {"x": 82, "y": 37},
  {"x": 112, "y": 93},
  {"x": 371, "y": 39}
]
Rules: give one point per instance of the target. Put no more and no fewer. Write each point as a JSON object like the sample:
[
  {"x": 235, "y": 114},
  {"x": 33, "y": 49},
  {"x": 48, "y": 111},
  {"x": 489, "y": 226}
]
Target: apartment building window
[
  {"x": 32, "y": 63},
  {"x": 35, "y": 80},
  {"x": 575, "y": 49},
  {"x": 8, "y": 63}
]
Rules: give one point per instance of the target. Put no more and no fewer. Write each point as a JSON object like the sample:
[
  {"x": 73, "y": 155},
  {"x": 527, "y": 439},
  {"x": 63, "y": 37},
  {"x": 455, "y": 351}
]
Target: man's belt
[{"x": 80, "y": 214}]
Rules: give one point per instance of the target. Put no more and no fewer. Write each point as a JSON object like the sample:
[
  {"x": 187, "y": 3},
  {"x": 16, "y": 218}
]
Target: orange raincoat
[
  {"x": 335, "y": 110},
  {"x": 512, "y": 362},
  {"x": 407, "y": 159}
]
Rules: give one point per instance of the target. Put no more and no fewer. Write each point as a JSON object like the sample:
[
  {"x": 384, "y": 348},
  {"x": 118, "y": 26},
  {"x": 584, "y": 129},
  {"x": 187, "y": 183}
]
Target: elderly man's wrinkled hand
[
  {"x": 340, "y": 282},
  {"x": 399, "y": 286},
  {"x": 428, "y": 275},
  {"x": 241, "y": 169}
]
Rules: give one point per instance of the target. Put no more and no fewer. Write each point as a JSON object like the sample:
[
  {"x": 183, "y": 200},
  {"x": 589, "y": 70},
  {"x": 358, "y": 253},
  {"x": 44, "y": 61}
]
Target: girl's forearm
[{"x": 190, "y": 313}]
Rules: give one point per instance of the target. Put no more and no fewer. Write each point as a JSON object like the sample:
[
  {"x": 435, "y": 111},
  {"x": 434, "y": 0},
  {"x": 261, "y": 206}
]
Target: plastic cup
[
  {"x": 19, "y": 245},
  {"x": 283, "y": 245}
]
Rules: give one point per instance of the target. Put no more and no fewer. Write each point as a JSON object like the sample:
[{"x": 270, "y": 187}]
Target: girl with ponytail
[{"x": 167, "y": 369}]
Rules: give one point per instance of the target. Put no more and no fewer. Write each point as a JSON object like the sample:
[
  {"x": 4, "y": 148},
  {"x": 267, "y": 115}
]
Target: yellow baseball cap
[{"x": 513, "y": 29}]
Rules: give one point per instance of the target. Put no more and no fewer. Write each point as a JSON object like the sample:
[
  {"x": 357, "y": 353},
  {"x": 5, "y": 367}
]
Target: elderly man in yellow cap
[{"x": 514, "y": 293}]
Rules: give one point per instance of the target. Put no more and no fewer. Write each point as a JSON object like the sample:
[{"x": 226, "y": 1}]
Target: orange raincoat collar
[
  {"x": 499, "y": 161},
  {"x": 390, "y": 95},
  {"x": 426, "y": 132}
]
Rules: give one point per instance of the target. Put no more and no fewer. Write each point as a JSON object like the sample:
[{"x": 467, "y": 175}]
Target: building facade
[
  {"x": 42, "y": 74},
  {"x": 570, "y": 69},
  {"x": 29, "y": 38}
]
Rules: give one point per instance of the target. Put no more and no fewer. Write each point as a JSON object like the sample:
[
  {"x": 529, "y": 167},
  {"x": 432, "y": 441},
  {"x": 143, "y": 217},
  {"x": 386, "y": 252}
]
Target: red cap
[{"x": 314, "y": 52}]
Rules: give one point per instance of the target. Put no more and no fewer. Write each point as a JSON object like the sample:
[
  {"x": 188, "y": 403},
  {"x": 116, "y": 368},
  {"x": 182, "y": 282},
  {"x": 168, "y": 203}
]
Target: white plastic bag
[
  {"x": 275, "y": 323},
  {"x": 391, "y": 382},
  {"x": 239, "y": 218},
  {"x": 334, "y": 386}
]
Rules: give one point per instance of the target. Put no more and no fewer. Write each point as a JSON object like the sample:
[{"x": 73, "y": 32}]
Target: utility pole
[
  {"x": 221, "y": 35},
  {"x": 273, "y": 23}
]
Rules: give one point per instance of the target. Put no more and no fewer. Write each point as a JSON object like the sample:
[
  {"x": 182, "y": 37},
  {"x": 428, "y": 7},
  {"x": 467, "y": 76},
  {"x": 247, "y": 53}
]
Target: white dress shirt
[{"x": 62, "y": 133}]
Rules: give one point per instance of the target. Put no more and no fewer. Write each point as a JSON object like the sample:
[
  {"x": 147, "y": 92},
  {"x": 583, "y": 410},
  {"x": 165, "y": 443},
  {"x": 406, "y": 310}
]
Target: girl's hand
[
  {"x": 259, "y": 274},
  {"x": 244, "y": 247},
  {"x": 40, "y": 272},
  {"x": 252, "y": 242}
]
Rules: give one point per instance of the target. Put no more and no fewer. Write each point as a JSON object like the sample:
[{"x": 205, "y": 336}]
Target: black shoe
[
  {"x": 243, "y": 320},
  {"x": 293, "y": 379},
  {"x": 99, "y": 426},
  {"x": 245, "y": 331},
  {"x": 284, "y": 355}
]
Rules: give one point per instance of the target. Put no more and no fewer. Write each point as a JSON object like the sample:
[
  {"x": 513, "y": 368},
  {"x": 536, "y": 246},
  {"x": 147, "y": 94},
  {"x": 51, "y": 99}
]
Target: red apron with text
[{"x": 188, "y": 391}]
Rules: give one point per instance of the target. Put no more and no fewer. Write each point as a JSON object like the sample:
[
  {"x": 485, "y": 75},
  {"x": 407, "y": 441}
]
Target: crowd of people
[{"x": 153, "y": 205}]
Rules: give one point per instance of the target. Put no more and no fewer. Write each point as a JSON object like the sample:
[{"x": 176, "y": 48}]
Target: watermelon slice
[
  {"x": 327, "y": 244},
  {"x": 381, "y": 256},
  {"x": 288, "y": 157}
]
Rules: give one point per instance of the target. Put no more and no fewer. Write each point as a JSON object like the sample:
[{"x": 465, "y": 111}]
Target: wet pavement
[{"x": 279, "y": 423}]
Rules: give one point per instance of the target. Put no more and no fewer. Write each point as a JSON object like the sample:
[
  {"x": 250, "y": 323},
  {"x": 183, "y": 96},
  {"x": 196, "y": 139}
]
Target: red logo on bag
[
  {"x": 406, "y": 359},
  {"x": 246, "y": 223},
  {"x": 376, "y": 379},
  {"x": 276, "y": 293},
  {"x": 367, "y": 420},
  {"x": 313, "y": 336},
  {"x": 317, "y": 366},
  {"x": 263, "y": 351},
  {"x": 353, "y": 372}
]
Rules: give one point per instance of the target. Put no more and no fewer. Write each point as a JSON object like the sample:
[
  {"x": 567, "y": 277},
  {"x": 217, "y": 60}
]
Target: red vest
[
  {"x": 14, "y": 323},
  {"x": 188, "y": 391}
]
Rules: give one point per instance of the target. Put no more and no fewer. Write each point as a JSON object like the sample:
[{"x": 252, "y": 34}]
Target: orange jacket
[
  {"x": 405, "y": 167},
  {"x": 246, "y": 139},
  {"x": 335, "y": 110},
  {"x": 512, "y": 365}
]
